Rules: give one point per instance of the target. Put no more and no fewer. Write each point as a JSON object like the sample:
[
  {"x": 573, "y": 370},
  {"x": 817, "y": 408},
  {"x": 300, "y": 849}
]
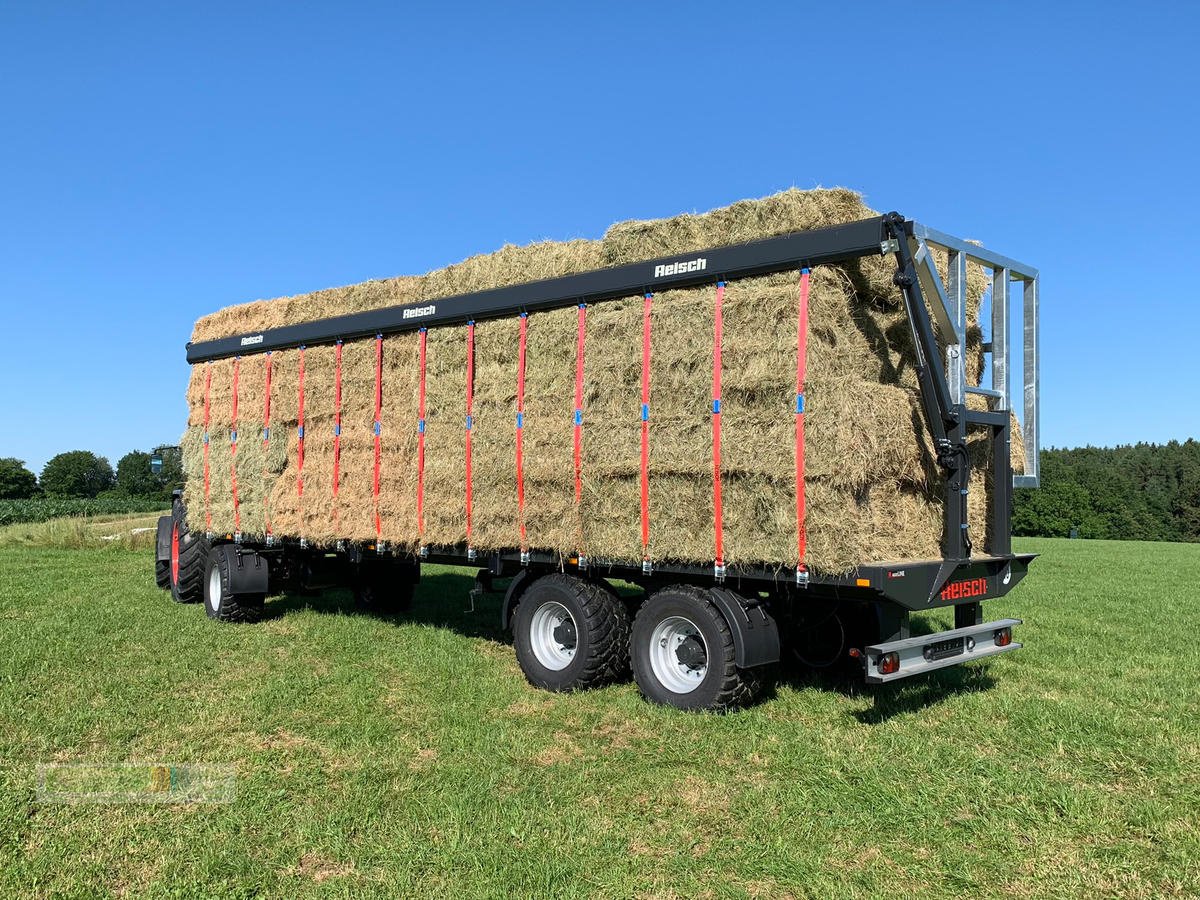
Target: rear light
[
  {"x": 888, "y": 663},
  {"x": 1003, "y": 637}
]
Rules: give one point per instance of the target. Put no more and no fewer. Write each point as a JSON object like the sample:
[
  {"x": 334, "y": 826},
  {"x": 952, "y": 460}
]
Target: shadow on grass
[
  {"x": 443, "y": 600},
  {"x": 896, "y": 698}
]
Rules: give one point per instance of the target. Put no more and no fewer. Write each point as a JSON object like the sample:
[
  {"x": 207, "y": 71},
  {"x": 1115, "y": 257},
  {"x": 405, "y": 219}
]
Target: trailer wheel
[
  {"x": 219, "y": 600},
  {"x": 683, "y": 653},
  {"x": 570, "y": 634},
  {"x": 189, "y": 553},
  {"x": 385, "y": 589}
]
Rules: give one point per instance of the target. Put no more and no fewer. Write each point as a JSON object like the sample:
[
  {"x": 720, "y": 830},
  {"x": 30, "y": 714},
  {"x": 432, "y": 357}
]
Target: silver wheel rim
[
  {"x": 214, "y": 588},
  {"x": 669, "y": 637},
  {"x": 553, "y": 635}
]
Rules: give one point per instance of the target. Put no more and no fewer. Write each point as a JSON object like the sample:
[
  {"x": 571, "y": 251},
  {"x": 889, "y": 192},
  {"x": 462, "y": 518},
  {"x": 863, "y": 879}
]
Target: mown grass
[{"x": 408, "y": 756}]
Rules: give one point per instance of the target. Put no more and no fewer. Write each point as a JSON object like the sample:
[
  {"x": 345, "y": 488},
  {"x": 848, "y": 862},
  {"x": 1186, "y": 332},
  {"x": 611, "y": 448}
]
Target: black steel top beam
[{"x": 805, "y": 248}]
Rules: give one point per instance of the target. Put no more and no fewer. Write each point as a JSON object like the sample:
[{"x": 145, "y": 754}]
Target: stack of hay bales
[{"x": 873, "y": 488}]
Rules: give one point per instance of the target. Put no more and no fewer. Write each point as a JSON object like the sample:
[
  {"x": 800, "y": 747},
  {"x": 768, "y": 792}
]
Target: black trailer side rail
[{"x": 838, "y": 243}]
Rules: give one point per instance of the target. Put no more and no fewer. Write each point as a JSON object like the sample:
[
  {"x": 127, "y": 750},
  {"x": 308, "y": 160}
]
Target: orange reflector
[
  {"x": 573, "y": 560},
  {"x": 889, "y": 663},
  {"x": 863, "y": 582},
  {"x": 1003, "y": 637}
]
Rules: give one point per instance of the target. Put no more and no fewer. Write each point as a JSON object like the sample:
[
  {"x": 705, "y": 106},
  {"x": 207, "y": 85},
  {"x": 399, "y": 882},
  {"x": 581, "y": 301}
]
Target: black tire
[
  {"x": 219, "y": 601},
  {"x": 598, "y": 628},
  {"x": 720, "y": 685},
  {"x": 162, "y": 564},
  {"x": 189, "y": 554},
  {"x": 385, "y": 589}
]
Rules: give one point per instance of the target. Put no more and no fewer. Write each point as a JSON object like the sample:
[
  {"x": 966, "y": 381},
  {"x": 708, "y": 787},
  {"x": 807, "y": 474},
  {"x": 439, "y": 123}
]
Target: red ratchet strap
[
  {"x": 237, "y": 513},
  {"x": 300, "y": 440},
  {"x": 718, "y": 525},
  {"x": 470, "y": 406},
  {"x": 421, "y": 442},
  {"x": 207, "y": 481},
  {"x": 521, "y": 429},
  {"x": 378, "y": 429},
  {"x": 267, "y": 364},
  {"x": 337, "y": 431},
  {"x": 646, "y": 428},
  {"x": 801, "y": 371},
  {"x": 579, "y": 402}
]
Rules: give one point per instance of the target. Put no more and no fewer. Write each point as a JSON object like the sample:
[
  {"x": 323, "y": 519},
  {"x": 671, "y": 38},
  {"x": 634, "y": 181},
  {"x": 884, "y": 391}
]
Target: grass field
[
  {"x": 130, "y": 531},
  {"x": 408, "y": 756}
]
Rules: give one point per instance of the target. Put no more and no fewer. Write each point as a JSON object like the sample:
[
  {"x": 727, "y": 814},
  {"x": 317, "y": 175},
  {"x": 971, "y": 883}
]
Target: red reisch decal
[{"x": 959, "y": 590}]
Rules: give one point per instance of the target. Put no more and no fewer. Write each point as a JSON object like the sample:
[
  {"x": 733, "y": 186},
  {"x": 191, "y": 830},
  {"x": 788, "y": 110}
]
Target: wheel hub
[
  {"x": 690, "y": 651},
  {"x": 214, "y": 588},
  {"x": 678, "y": 654},
  {"x": 553, "y": 635}
]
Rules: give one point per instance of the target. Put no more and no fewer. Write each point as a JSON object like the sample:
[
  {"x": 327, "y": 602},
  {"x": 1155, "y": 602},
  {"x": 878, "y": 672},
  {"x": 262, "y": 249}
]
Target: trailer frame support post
[{"x": 945, "y": 418}]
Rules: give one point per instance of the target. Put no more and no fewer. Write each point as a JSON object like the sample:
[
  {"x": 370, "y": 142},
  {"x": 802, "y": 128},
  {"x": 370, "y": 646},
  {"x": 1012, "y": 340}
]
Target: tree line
[
  {"x": 82, "y": 474},
  {"x": 1143, "y": 492}
]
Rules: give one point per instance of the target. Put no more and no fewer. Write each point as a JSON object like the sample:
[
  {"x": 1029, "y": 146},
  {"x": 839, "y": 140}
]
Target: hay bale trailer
[{"x": 725, "y": 465}]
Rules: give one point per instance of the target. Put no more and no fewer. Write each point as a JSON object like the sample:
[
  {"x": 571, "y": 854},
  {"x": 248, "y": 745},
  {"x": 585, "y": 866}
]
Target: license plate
[{"x": 944, "y": 649}]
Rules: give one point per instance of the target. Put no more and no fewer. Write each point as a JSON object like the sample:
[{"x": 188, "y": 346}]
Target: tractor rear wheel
[{"x": 189, "y": 551}]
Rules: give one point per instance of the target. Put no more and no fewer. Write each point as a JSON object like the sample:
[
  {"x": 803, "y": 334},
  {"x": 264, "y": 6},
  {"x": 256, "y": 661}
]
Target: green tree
[
  {"x": 1187, "y": 506},
  {"x": 77, "y": 473},
  {"x": 137, "y": 478},
  {"x": 134, "y": 477},
  {"x": 16, "y": 481}
]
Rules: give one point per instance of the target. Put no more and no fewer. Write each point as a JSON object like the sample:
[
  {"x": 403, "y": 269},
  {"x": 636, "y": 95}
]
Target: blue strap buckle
[
  {"x": 520, "y": 420},
  {"x": 579, "y": 417},
  {"x": 799, "y": 404},
  {"x": 645, "y": 412}
]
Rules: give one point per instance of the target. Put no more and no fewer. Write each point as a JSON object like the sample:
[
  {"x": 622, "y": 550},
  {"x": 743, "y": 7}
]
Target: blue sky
[{"x": 158, "y": 162}]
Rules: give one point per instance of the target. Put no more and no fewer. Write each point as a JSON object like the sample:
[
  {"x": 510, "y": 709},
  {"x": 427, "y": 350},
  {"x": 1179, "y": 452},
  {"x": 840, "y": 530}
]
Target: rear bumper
[{"x": 921, "y": 654}]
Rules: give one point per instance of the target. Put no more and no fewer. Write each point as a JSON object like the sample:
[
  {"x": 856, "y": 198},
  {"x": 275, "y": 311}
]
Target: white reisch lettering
[{"x": 693, "y": 265}]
